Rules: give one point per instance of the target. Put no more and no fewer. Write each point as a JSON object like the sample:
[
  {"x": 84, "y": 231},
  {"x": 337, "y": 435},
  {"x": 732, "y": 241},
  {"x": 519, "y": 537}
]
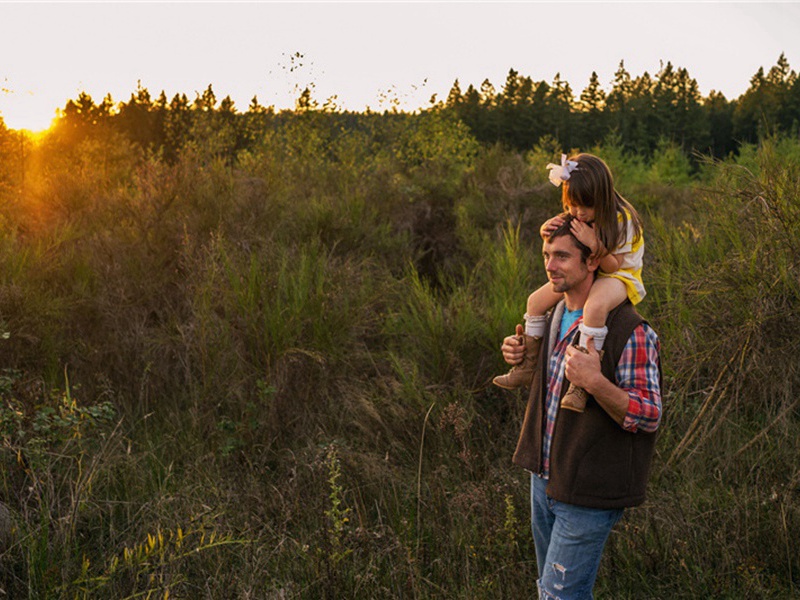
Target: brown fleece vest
[{"x": 593, "y": 461}]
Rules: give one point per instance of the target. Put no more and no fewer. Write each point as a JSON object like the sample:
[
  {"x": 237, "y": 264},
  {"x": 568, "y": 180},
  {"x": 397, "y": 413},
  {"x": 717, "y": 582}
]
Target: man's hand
[
  {"x": 513, "y": 349},
  {"x": 583, "y": 368}
]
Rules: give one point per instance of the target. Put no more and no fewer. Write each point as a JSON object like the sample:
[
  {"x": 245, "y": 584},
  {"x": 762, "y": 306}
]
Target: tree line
[{"x": 642, "y": 112}]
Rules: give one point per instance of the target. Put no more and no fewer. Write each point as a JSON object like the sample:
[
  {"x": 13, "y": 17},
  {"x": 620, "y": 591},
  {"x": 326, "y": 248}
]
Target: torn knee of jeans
[
  {"x": 559, "y": 578},
  {"x": 545, "y": 595}
]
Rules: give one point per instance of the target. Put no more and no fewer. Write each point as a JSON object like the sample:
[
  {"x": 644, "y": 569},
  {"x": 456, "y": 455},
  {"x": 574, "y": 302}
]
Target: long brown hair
[{"x": 592, "y": 185}]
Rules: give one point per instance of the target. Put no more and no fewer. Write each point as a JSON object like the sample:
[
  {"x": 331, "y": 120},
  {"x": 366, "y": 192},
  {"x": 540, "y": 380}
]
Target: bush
[{"x": 286, "y": 352}]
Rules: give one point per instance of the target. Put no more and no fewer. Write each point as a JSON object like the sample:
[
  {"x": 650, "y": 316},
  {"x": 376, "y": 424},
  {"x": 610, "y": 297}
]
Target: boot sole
[{"x": 507, "y": 387}]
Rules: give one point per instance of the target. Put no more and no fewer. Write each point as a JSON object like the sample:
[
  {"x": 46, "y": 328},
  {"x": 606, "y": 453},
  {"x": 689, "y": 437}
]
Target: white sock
[
  {"x": 598, "y": 334},
  {"x": 534, "y": 325}
]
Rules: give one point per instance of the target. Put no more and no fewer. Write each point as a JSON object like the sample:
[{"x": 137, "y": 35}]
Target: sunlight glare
[{"x": 25, "y": 112}]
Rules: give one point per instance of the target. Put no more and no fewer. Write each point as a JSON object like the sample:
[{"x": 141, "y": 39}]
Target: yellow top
[{"x": 630, "y": 270}]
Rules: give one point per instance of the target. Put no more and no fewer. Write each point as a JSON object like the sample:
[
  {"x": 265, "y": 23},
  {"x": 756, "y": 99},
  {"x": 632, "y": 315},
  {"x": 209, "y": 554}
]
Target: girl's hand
[
  {"x": 586, "y": 235},
  {"x": 550, "y": 226}
]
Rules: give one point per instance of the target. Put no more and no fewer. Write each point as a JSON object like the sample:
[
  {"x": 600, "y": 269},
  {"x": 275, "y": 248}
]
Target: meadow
[{"x": 266, "y": 373}]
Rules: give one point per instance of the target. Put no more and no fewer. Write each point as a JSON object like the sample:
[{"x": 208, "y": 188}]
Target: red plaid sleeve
[{"x": 638, "y": 374}]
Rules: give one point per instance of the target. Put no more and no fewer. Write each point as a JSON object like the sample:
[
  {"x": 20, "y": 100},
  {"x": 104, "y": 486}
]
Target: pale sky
[{"x": 358, "y": 51}]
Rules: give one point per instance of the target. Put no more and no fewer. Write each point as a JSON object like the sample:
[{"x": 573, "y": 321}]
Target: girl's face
[{"x": 584, "y": 214}]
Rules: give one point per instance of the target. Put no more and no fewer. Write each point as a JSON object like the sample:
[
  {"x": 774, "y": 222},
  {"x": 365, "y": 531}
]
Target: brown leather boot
[
  {"x": 521, "y": 375},
  {"x": 576, "y": 397}
]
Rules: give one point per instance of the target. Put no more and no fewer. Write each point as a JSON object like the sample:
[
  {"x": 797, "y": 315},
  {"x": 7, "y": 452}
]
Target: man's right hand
[{"x": 513, "y": 349}]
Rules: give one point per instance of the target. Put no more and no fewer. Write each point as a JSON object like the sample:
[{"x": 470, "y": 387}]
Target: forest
[{"x": 248, "y": 354}]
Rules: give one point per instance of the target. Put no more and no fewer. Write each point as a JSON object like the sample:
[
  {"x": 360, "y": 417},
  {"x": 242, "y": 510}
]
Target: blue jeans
[{"x": 569, "y": 542}]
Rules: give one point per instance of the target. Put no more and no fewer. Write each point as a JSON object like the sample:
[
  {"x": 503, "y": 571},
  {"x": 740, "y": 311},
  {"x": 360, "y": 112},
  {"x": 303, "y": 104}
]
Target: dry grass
[{"x": 298, "y": 345}]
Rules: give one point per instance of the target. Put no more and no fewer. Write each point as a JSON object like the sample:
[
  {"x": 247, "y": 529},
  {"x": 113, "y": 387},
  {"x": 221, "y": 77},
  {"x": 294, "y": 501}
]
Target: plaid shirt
[{"x": 637, "y": 374}]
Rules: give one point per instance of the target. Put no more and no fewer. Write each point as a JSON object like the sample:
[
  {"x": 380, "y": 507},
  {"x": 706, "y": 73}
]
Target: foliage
[
  {"x": 645, "y": 110},
  {"x": 280, "y": 345}
]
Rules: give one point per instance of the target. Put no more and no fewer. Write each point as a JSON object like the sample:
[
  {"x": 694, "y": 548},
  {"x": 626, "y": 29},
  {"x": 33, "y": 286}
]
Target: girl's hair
[{"x": 592, "y": 185}]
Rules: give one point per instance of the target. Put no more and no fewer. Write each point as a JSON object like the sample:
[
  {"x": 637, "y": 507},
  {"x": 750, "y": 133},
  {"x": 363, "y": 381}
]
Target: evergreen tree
[
  {"x": 510, "y": 110},
  {"x": 591, "y": 118},
  {"x": 139, "y": 120},
  {"x": 491, "y": 127},
  {"x": 677, "y": 110},
  {"x": 792, "y": 106},
  {"x": 177, "y": 124},
  {"x": 206, "y": 101},
  {"x": 213, "y": 129},
  {"x": 454, "y": 96},
  {"x": 305, "y": 102},
  {"x": 719, "y": 116},
  {"x": 488, "y": 94},
  {"x": 77, "y": 119},
  {"x": 9, "y": 166},
  {"x": 767, "y": 105},
  {"x": 617, "y": 103},
  {"x": 642, "y": 132},
  {"x": 784, "y": 79},
  {"x": 257, "y": 121},
  {"x": 694, "y": 128},
  {"x": 560, "y": 102},
  {"x": 476, "y": 117}
]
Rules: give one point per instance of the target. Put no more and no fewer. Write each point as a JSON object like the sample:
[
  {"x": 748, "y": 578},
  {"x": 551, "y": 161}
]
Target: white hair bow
[{"x": 559, "y": 173}]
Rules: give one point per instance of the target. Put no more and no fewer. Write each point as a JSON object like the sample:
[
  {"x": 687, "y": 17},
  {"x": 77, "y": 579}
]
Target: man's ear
[{"x": 592, "y": 263}]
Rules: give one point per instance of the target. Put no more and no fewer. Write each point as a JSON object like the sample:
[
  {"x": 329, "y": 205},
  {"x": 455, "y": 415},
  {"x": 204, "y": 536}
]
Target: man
[{"x": 586, "y": 467}]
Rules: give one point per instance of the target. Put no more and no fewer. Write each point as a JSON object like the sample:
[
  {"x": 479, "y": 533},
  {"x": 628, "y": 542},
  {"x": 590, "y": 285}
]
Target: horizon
[
  {"x": 382, "y": 104},
  {"x": 344, "y": 50}
]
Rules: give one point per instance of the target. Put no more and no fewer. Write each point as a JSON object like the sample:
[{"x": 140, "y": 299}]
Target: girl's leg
[
  {"x": 606, "y": 294},
  {"x": 542, "y": 300},
  {"x": 539, "y": 302}
]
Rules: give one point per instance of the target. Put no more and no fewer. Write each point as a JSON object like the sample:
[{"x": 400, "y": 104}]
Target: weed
[{"x": 228, "y": 311}]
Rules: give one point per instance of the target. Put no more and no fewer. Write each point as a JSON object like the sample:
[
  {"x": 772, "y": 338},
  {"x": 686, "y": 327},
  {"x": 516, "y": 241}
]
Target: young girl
[{"x": 611, "y": 228}]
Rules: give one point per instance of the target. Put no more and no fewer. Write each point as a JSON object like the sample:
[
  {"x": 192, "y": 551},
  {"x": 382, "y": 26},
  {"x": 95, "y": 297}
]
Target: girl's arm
[
  {"x": 608, "y": 263},
  {"x": 611, "y": 263},
  {"x": 550, "y": 226}
]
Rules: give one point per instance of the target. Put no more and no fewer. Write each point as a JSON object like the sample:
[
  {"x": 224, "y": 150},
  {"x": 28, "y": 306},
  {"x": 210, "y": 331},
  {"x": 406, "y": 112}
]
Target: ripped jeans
[{"x": 569, "y": 542}]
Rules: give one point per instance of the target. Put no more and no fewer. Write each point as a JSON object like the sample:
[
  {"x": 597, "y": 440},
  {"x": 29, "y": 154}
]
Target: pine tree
[
  {"x": 454, "y": 98},
  {"x": 591, "y": 118},
  {"x": 618, "y": 100},
  {"x": 559, "y": 103},
  {"x": 719, "y": 116},
  {"x": 766, "y": 105},
  {"x": 488, "y": 94}
]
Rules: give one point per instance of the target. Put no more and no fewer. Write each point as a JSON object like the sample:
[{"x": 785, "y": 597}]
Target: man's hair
[{"x": 566, "y": 229}]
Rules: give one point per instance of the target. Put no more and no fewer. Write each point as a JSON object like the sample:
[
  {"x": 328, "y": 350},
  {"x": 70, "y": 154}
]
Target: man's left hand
[{"x": 583, "y": 369}]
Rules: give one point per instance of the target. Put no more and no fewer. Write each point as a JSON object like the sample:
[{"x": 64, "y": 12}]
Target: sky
[{"x": 369, "y": 54}]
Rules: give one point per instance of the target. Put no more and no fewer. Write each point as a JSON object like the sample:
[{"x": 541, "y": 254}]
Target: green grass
[{"x": 279, "y": 369}]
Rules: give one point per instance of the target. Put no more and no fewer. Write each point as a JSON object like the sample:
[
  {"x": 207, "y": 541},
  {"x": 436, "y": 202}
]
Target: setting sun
[
  {"x": 346, "y": 53},
  {"x": 24, "y": 111},
  {"x": 262, "y": 265}
]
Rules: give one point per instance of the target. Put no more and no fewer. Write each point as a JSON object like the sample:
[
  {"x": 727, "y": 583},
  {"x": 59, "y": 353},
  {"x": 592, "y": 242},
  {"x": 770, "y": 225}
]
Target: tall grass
[
  {"x": 279, "y": 369},
  {"x": 726, "y": 296}
]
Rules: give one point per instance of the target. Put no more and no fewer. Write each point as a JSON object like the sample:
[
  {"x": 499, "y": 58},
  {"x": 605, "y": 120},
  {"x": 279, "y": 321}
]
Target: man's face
[{"x": 563, "y": 264}]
